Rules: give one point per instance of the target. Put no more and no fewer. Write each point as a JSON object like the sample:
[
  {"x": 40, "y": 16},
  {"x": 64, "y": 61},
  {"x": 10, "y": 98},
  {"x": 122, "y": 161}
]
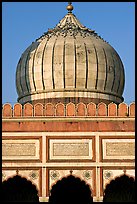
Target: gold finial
[{"x": 69, "y": 7}]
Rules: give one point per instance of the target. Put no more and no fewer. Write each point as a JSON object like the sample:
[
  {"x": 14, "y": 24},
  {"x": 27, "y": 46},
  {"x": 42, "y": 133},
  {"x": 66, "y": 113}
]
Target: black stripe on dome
[
  {"x": 17, "y": 78},
  {"x": 121, "y": 81},
  {"x": 97, "y": 67},
  {"x": 33, "y": 68},
  {"x": 27, "y": 59},
  {"x": 75, "y": 63},
  {"x": 24, "y": 56},
  {"x": 53, "y": 81},
  {"x": 86, "y": 66},
  {"x": 106, "y": 68},
  {"x": 114, "y": 73},
  {"x": 64, "y": 65},
  {"x": 119, "y": 73},
  {"x": 42, "y": 65}
]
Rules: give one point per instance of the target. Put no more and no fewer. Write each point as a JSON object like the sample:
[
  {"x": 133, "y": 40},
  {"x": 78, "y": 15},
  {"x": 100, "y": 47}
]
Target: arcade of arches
[{"x": 69, "y": 189}]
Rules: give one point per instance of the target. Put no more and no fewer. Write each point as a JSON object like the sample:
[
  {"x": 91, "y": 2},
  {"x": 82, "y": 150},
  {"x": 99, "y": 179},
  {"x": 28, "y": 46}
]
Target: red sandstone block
[
  {"x": 123, "y": 110},
  {"x": 91, "y": 109},
  {"x": 132, "y": 109},
  {"x": 81, "y": 109},
  {"x": 17, "y": 110},
  {"x": 70, "y": 109},
  {"x": 7, "y": 110},
  {"x": 60, "y": 109},
  {"x": 58, "y": 126},
  {"x": 101, "y": 109},
  {"x": 112, "y": 109},
  {"x": 49, "y": 110},
  {"x": 28, "y": 110},
  {"x": 38, "y": 109}
]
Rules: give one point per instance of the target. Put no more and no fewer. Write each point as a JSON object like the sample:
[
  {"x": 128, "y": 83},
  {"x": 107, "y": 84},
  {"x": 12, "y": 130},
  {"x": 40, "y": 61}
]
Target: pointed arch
[
  {"x": 120, "y": 189},
  {"x": 19, "y": 189},
  {"x": 71, "y": 189}
]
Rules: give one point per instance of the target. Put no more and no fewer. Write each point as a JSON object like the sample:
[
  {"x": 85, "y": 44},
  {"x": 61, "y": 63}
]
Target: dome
[{"x": 70, "y": 63}]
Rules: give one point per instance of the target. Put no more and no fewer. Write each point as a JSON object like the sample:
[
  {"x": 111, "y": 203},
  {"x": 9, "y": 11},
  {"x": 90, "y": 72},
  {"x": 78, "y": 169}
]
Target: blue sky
[{"x": 24, "y": 22}]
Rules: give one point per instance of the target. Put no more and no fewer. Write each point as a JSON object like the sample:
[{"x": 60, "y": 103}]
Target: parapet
[{"x": 68, "y": 110}]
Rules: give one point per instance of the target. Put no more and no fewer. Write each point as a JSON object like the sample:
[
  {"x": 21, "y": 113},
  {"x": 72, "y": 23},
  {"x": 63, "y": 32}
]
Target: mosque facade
[{"x": 70, "y": 117}]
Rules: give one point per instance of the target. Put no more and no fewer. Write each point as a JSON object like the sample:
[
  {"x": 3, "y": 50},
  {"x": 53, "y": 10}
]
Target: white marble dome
[{"x": 70, "y": 63}]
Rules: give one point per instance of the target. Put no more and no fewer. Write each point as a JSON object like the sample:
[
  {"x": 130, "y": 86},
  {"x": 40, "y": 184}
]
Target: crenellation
[
  {"x": 101, "y": 109},
  {"x": 81, "y": 109},
  {"x": 91, "y": 109},
  {"x": 132, "y": 109},
  {"x": 17, "y": 110},
  {"x": 60, "y": 109},
  {"x": 38, "y": 109},
  {"x": 7, "y": 110},
  {"x": 28, "y": 110},
  {"x": 123, "y": 109},
  {"x": 49, "y": 109},
  {"x": 70, "y": 109},
  {"x": 112, "y": 109}
]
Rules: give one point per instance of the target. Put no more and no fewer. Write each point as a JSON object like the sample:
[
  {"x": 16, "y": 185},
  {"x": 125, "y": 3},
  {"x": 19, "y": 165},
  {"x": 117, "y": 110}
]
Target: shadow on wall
[
  {"x": 122, "y": 189},
  {"x": 70, "y": 190},
  {"x": 19, "y": 189}
]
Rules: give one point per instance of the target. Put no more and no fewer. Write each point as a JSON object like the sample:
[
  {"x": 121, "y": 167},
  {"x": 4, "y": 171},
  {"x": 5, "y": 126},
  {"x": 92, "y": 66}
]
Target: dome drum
[{"x": 70, "y": 96}]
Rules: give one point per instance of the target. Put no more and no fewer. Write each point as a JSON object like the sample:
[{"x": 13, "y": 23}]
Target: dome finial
[{"x": 69, "y": 7}]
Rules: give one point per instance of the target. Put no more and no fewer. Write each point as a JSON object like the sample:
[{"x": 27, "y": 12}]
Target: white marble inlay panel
[
  {"x": 118, "y": 148},
  {"x": 70, "y": 149},
  {"x": 20, "y": 149}
]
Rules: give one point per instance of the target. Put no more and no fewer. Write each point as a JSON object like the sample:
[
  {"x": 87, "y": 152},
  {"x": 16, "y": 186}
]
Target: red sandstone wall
[{"x": 68, "y": 110}]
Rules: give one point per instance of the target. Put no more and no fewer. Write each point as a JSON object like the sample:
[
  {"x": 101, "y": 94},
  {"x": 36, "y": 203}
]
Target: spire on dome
[{"x": 69, "y": 7}]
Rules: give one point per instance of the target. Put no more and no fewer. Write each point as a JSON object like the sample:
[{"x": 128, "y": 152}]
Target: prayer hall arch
[
  {"x": 70, "y": 189},
  {"x": 19, "y": 189},
  {"x": 120, "y": 189}
]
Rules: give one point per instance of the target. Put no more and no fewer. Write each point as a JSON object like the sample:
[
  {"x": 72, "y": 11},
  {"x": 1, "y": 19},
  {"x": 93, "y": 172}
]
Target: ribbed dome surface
[{"x": 70, "y": 62}]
